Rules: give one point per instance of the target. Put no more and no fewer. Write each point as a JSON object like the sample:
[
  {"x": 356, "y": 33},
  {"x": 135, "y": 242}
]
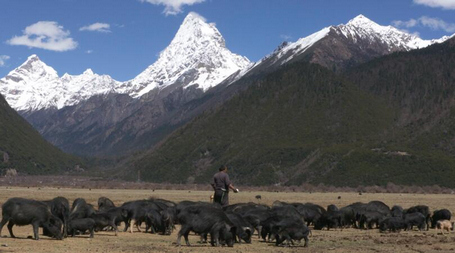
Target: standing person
[{"x": 221, "y": 185}]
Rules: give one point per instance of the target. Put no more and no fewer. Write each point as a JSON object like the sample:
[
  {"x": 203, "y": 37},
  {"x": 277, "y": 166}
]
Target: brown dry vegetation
[{"x": 347, "y": 240}]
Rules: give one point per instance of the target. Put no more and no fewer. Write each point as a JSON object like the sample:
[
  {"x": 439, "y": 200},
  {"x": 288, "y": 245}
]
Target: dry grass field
[{"x": 347, "y": 240}]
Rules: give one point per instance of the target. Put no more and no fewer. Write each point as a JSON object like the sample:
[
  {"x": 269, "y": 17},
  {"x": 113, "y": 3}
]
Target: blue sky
[{"x": 122, "y": 37}]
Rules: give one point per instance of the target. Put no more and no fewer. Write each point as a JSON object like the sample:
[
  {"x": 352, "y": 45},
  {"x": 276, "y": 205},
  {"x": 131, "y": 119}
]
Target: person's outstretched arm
[{"x": 233, "y": 188}]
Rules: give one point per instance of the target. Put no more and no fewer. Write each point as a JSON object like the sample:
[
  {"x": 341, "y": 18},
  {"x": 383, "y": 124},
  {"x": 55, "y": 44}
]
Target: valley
[{"x": 337, "y": 107}]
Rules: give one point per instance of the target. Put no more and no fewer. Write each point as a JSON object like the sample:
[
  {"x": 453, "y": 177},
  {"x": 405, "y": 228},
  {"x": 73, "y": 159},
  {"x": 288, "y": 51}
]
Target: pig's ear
[{"x": 247, "y": 230}]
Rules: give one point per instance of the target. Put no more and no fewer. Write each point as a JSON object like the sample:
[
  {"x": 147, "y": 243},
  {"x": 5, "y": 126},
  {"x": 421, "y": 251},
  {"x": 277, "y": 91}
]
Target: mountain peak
[
  {"x": 88, "y": 71},
  {"x": 360, "y": 20},
  {"x": 33, "y": 64},
  {"x": 196, "y": 56},
  {"x": 194, "y": 16},
  {"x": 394, "y": 39},
  {"x": 193, "y": 27},
  {"x": 33, "y": 57}
]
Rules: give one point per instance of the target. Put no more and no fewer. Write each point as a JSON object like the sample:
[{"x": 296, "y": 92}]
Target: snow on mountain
[
  {"x": 82, "y": 87},
  {"x": 196, "y": 56},
  {"x": 34, "y": 85},
  {"x": 362, "y": 27},
  {"x": 302, "y": 44},
  {"x": 358, "y": 28}
]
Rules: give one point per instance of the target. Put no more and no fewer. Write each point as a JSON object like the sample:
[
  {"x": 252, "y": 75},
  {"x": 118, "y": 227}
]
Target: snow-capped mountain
[
  {"x": 139, "y": 113},
  {"x": 363, "y": 28},
  {"x": 34, "y": 85},
  {"x": 196, "y": 56},
  {"x": 359, "y": 40}
]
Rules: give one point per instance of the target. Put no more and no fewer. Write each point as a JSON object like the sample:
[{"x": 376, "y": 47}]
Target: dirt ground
[{"x": 347, "y": 240}]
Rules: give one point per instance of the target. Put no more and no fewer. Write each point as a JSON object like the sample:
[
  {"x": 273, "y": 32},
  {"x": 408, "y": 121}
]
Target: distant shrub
[{"x": 11, "y": 173}]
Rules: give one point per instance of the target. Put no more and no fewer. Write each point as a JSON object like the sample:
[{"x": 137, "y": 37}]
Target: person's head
[{"x": 223, "y": 168}]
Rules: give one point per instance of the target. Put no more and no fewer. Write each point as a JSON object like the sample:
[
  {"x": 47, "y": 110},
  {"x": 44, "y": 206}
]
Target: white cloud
[
  {"x": 410, "y": 23},
  {"x": 89, "y": 51},
  {"x": 432, "y": 23},
  {"x": 97, "y": 27},
  {"x": 285, "y": 37},
  {"x": 199, "y": 17},
  {"x": 3, "y": 59},
  {"x": 173, "y": 7},
  {"x": 417, "y": 34},
  {"x": 437, "y": 24},
  {"x": 445, "y": 4},
  {"x": 47, "y": 35}
]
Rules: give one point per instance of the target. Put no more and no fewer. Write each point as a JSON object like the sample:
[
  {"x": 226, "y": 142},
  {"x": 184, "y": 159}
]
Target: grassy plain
[{"x": 347, "y": 240}]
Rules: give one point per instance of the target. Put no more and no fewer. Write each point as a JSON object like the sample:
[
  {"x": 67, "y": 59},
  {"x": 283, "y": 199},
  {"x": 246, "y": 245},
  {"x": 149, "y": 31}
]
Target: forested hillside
[
  {"x": 389, "y": 120},
  {"x": 22, "y": 147},
  {"x": 288, "y": 127}
]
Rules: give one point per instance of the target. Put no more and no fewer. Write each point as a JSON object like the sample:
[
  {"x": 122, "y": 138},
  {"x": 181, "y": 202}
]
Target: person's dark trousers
[{"x": 221, "y": 197}]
